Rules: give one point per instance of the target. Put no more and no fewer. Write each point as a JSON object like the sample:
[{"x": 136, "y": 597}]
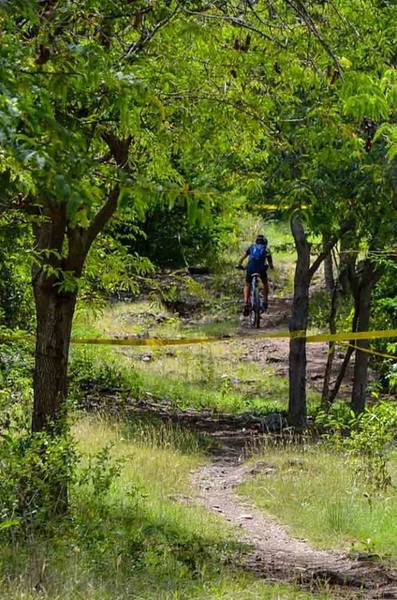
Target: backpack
[{"x": 258, "y": 252}]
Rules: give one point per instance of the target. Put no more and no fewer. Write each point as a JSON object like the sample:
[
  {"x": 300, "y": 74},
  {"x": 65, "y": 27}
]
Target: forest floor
[{"x": 274, "y": 552}]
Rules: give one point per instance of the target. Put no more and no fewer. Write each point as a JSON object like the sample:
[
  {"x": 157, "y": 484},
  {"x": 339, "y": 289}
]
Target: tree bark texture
[
  {"x": 325, "y": 396},
  {"x": 369, "y": 276},
  {"x": 298, "y": 322},
  {"x": 54, "y": 313}
]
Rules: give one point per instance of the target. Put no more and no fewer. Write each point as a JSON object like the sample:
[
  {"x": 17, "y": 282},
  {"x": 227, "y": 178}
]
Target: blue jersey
[{"x": 257, "y": 258}]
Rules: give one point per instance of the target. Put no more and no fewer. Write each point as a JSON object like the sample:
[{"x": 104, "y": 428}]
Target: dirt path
[
  {"x": 274, "y": 552},
  {"x": 275, "y": 352}
]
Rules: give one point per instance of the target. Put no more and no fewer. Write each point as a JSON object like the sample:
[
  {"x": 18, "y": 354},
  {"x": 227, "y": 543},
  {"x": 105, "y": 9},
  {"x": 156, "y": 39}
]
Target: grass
[
  {"x": 199, "y": 377},
  {"x": 141, "y": 536},
  {"x": 319, "y": 496},
  {"x": 220, "y": 377}
]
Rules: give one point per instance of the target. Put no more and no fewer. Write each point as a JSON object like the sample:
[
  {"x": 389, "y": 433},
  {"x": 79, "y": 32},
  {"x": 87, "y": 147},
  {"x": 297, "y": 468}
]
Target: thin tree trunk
[
  {"x": 360, "y": 377},
  {"x": 304, "y": 271},
  {"x": 329, "y": 271},
  {"x": 331, "y": 347},
  {"x": 347, "y": 261},
  {"x": 298, "y": 323},
  {"x": 369, "y": 277},
  {"x": 342, "y": 371}
]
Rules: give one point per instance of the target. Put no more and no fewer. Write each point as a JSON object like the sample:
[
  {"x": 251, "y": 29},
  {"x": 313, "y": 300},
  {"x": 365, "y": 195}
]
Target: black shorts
[{"x": 262, "y": 273}]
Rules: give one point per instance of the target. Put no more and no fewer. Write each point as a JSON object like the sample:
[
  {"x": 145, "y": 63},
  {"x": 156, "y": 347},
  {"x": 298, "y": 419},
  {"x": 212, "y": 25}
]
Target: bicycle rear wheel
[{"x": 256, "y": 308}]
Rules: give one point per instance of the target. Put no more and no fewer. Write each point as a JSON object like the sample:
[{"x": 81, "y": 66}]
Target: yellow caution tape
[
  {"x": 352, "y": 335},
  {"x": 371, "y": 351},
  {"x": 320, "y": 337}
]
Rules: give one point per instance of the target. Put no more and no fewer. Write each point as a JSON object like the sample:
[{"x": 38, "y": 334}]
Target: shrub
[{"x": 368, "y": 438}]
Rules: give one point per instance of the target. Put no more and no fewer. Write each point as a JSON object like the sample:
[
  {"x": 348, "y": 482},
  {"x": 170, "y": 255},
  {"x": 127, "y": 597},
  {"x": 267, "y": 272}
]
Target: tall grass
[{"x": 318, "y": 494}]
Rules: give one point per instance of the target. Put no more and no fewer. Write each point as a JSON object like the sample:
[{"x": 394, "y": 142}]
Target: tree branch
[
  {"x": 328, "y": 247},
  {"x": 148, "y": 35},
  {"x": 301, "y": 11},
  {"x": 102, "y": 217}
]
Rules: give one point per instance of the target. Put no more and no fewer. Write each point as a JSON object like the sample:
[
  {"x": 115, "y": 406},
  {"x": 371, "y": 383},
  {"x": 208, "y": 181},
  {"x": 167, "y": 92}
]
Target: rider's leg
[{"x": 247, "y": 291}]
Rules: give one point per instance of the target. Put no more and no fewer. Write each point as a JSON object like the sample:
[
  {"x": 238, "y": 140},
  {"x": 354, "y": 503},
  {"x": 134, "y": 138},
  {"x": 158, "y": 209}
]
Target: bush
[
  {"x": 368, "y": 438},
  {"x": 36, "y": 470}
]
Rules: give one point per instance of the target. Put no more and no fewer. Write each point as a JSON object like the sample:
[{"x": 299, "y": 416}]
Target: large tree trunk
[
  {"x": 298, "y": 323},
  {"x": 54, "y": 323}
]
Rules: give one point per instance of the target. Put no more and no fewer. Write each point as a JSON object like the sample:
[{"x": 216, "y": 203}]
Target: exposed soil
[
  {"x": 273, "y": 552},
  {"x": 274, "y": 352}
]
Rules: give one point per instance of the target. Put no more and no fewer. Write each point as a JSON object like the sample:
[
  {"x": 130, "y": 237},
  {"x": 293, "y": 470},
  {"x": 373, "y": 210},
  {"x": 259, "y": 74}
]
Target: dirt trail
[
  {"x": 274, "y": 552},
  {"x": 274, "y": 352}
]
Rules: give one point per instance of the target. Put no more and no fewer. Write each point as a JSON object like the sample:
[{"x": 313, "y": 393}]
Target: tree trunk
[
  {"x": 329, "y": 271},
  {"x": 368, "y": 279},
  {"x": 54, "y": 323},
  {"x": 325, "y": 396},
  {"x": 347, "y": 262},
  {"x": 298, "y": 323},
  {"x": 360, "y": 377},
  {"x": 304, "y": 271}
]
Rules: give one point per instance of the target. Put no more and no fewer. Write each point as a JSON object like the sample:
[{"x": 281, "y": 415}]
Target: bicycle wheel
[{"x": 255, "y": 308}]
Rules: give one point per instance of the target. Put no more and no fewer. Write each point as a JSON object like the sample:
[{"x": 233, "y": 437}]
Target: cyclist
[{"x": 259, "y": 259}]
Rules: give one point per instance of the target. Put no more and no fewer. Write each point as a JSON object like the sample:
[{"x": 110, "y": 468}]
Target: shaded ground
[{"x": 273, "y": 553}]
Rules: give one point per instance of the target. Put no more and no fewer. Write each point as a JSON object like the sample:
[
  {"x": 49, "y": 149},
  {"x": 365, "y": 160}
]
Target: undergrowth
[{"x": 183, "y": 379}]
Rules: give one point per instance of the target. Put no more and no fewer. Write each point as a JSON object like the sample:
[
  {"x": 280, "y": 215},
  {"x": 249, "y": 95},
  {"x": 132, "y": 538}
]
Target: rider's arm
[{"x": 242, "y": 259}]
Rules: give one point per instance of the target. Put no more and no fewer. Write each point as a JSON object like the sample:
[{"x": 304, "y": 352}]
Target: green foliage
[
  {"x": 320, "y": 304},
  {"x": 33, "y": 468},
  {"x": 16, "y": 302},
  {"x": 172, "y": 238},
  {"x": 368, "y": 438},
  {"x": 385, "y": 317}
]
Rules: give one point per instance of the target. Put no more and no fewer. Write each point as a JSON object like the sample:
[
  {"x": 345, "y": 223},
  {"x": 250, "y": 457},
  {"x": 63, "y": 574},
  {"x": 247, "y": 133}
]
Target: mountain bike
[{"x": 256, "y": 301}]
